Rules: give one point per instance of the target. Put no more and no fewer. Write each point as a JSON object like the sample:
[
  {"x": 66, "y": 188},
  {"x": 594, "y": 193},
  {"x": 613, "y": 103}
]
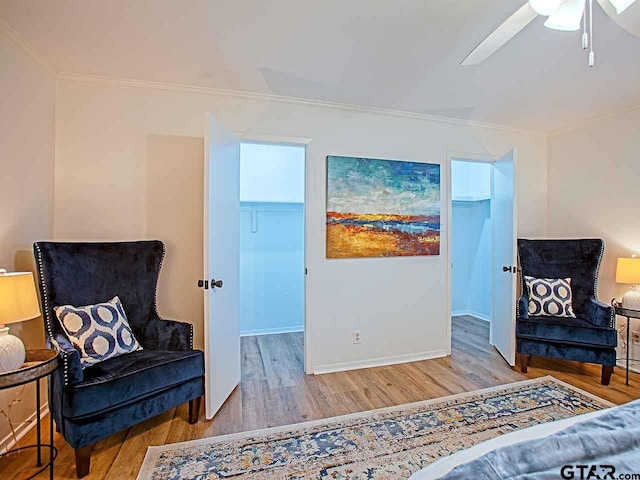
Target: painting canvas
[{"x": 382, "y": 208}]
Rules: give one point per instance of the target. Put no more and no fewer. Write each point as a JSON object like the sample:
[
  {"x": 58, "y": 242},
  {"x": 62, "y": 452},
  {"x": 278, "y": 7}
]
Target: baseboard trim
[
  {"x": 7, "y": 443},
  {"x": 623, "y": 366},
  {"x": 378, "y": 362},
  {"x": 471, "y": 313},
  {"x": 271, "y": 331}
]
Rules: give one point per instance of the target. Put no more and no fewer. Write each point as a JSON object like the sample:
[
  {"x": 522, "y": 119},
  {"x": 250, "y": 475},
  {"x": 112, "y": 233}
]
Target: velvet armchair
[
  {"x": 91, "y": 403},
  {"x": 590, "y": 337}
]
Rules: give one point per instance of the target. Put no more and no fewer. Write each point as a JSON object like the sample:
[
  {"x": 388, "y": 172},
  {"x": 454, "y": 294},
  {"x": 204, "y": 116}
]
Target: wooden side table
[
  {"x": 625, "y": 312},
  {"x": 38, "y": 364}
]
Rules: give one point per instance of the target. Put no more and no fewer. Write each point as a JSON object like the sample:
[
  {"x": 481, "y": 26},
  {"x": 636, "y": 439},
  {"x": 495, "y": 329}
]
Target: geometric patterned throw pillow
[
  {"x": 550, "y": 297},
  {"x": 98, "y": 331}
]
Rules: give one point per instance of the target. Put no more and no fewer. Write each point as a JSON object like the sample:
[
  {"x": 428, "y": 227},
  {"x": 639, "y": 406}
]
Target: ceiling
[{"x": 396, "y": 54}]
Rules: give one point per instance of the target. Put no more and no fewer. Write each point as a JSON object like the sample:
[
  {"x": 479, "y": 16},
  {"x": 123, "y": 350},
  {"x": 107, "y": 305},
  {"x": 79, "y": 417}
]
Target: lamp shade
[
  {"x": 18, "y": 298},
  {"x": 628, "y": 271}
]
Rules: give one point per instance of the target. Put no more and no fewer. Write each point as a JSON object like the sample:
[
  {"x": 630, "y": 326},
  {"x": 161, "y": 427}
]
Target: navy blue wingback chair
[
  {"x": 92, "y": 403},
  {"x": 591, "y": 337}
]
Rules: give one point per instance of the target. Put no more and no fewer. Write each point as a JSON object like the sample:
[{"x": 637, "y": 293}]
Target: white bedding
[{"x": 446, "y": 464}]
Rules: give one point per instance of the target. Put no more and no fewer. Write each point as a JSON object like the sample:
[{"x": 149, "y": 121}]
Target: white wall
[
  {"x": 471, "y": 258},
  {"x": 271, "y": 267},
  {"x": 173, "y": 193},
  {"x": 27, "y": 101},
  {"x": 593, "y": 181},
  {"x": 461, "y": 258},
  {"x": 398, "y": 304},
  {"x": 271, "y": 173}
]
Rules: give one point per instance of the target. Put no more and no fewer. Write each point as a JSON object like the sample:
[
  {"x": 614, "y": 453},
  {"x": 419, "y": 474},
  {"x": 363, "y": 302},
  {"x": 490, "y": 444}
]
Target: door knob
[
  {"x": 216, "y": 283},
  {"x": 203, "y": 284},
  {"x": 507, "y": 269}
]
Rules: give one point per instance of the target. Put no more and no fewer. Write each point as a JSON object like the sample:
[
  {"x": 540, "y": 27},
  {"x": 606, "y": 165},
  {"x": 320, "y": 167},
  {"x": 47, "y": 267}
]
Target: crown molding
[
  {"x": 267, "y": 97},
  {"x": 592, "y": 120},
  {"x": 17, "y": 39}
]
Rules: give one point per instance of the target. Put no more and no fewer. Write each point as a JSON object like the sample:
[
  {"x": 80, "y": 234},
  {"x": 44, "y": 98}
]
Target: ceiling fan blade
[
  {"x": 629, "y": 19},
  {"x": 501, "y": 35}
]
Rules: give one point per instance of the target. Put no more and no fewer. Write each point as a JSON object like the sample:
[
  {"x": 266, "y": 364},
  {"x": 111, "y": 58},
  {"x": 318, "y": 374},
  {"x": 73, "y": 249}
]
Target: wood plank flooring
[{"x": 275, "y": 391}]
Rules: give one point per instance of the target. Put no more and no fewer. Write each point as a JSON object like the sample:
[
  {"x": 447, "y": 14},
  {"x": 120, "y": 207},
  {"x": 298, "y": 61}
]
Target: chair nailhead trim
[
  {"x": 155, "y": 293},
  {"x": 595, "y": 285},
  {"x": 47, "y": 318},
  {"x": 612, "y": 315},
  {"x": 43, "y": 287}
]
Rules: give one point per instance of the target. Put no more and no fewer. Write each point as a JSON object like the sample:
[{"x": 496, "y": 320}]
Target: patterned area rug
[{"x": 390, "y": 443}]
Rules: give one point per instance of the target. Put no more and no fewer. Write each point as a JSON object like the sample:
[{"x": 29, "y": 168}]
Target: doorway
[
  {"x": 272, "y": 194},
  {"x": 272, "y": 213},
  {"x": 471, "y": 243},
  {"x": 483, "y": 258}
]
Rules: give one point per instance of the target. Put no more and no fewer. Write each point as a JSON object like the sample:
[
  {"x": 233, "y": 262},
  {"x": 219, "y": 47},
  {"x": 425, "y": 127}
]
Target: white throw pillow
[
  {"x": 98, "y": 331},
  {"x": 550, "y": 297}
]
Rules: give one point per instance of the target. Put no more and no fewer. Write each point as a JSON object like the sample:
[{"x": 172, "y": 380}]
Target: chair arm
[
  {"x": 70, "y": 358},
  {"x": 161, "y": 334},
  {"x": 600, "y": 314},
  {"x": 523, "y": 307}
]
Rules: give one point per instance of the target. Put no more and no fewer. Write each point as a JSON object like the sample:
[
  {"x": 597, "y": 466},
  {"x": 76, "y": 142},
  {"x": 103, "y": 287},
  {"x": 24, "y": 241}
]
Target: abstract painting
[{"x": 382, "y": 208}]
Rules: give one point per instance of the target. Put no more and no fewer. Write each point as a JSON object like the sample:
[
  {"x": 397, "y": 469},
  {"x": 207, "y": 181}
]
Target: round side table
[{"x": 38, "y": 364}]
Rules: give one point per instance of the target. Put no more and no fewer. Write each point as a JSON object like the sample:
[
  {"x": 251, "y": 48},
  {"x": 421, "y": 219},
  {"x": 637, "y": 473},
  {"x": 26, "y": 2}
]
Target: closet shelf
[{"x": 470, "y": 199}]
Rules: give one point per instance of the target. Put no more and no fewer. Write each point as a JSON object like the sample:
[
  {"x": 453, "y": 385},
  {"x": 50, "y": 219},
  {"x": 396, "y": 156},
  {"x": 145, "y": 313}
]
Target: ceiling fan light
[
  {"x": 621, "y": 5},
  {"x": 546, "y": 7},
  {"x": 568, "y": 18}
]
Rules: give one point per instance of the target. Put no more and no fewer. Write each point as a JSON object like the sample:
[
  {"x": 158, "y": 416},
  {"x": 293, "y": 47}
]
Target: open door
[
  {"x": 221, "y": 264},
  {"x": 504, "y": 261}
]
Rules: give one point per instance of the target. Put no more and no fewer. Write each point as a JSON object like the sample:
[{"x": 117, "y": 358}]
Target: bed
[{"x": 600, "y": 440}]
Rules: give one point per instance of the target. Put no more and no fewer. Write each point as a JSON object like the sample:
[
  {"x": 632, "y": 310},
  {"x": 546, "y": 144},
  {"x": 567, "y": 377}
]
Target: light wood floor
[{"x": 275, "y": 391}]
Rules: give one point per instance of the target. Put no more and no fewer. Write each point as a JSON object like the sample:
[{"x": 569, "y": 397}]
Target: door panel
[
  {"x": 504, "y": 263},
  {"x": 221, "y": 262}
]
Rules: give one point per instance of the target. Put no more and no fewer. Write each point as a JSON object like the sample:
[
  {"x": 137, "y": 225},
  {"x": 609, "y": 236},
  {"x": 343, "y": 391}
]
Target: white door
[
  {"x": 221, "y": 264},
  {"x": 504, "y": 258}
]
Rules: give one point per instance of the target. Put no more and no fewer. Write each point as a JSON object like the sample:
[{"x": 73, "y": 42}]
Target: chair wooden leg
[
  {"x": 194, "y": 410},
  {"x": 607, "y": 370},
  {"x": 524, "y": 361},
  {"x": 83, "y": 460}
]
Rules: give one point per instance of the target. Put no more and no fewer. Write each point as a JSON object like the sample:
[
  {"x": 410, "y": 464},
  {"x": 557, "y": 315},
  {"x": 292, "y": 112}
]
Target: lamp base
[
  {"x": 12, "y": 353},
  {"x": 631, "y": 299}
]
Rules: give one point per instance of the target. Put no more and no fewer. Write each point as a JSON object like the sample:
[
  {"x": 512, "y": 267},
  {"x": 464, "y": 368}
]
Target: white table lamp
[
  {"x": 628, "y": 271},
  {"x": 18, "y": 302}
]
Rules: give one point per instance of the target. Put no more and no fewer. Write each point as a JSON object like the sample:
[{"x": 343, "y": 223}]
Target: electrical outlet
[
  {"x": 635, "y": 337},
  {"x": 356, "y": 337}
]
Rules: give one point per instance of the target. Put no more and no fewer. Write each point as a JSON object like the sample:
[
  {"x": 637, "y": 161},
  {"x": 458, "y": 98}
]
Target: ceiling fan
[{"x": 565, "y": 15}]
